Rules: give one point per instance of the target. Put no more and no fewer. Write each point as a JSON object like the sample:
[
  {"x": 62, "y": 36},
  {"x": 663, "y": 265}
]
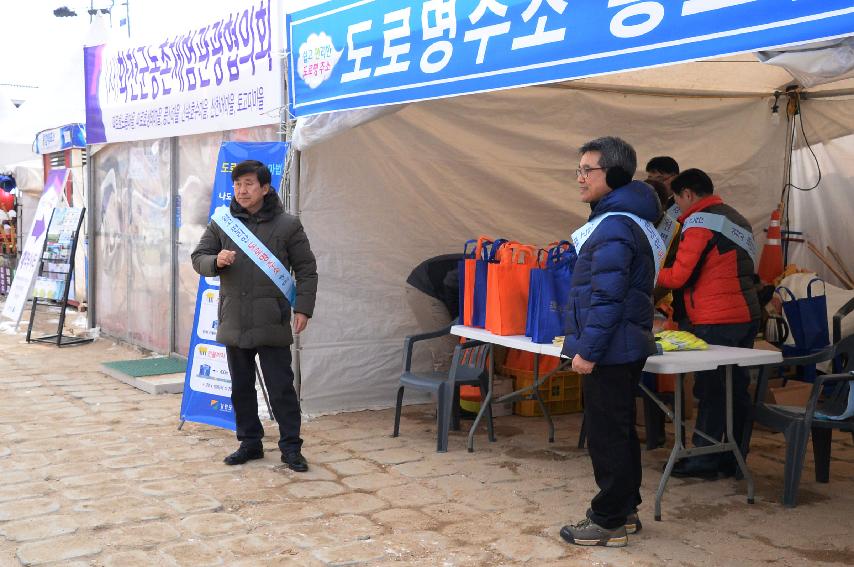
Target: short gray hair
[{"x": 615, "y": 152}]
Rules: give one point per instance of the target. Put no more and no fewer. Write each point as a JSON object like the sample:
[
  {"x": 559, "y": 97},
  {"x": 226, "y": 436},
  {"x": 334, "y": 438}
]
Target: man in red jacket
[{"x": 715, "y": 268}]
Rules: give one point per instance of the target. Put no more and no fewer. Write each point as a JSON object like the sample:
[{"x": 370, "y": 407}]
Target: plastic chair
[
  {"x": 468, "y": 367},
  {"x": 797, "y": 423}
]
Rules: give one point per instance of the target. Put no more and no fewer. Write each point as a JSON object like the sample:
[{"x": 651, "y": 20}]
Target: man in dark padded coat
[
  {"x": 609, "y": 330},
  {"x": 255, "y": 316}
]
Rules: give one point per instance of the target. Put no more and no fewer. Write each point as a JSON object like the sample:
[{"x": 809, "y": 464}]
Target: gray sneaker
[
  {"x": 586, "y": 532},
  {"x": 633, "y": 523}
]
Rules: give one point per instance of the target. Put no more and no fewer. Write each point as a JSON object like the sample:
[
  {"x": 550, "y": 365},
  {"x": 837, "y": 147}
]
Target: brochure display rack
[{"x": 56, "y": 268}]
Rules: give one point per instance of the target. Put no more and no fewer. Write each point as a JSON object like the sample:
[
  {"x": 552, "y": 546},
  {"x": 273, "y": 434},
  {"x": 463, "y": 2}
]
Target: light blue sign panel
[
  {"x": 347, "y": 54},
  {"x": 207, "y": 383},
  {"x": 58, "y": 139}
]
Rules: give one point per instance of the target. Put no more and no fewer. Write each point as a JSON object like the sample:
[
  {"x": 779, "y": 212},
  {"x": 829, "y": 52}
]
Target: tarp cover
[{"x": 420, "y": 182}]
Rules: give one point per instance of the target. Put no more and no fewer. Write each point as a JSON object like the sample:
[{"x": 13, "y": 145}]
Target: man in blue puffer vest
[{"x": 609, "y": 330}]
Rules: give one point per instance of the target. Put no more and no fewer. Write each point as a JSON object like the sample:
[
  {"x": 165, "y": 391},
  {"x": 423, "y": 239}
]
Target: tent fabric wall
[
  {"x": 825, "y": 213},
  {"x": 379, "y": 199}
]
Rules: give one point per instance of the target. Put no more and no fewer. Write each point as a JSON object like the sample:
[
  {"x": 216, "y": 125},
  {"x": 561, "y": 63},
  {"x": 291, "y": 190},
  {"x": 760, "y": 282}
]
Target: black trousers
[
  {"x": 279, "y": 379},
  {"x": 710, "y": 390},
  {"x": 609, "y": 415}
]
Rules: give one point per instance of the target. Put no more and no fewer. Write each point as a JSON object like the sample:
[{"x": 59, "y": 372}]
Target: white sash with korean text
[
  {"x": 674, "y": 211},
  {"x": 668, "y": 229},
  {"x": 257, "y": 252},
  {"x": 720, "y": 224},
  {"x": 656, "y": 242}
]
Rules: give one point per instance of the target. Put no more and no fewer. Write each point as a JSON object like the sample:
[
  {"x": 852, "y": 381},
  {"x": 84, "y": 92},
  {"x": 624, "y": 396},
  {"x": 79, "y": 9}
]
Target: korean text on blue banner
[{"x": 346, "y": 54}]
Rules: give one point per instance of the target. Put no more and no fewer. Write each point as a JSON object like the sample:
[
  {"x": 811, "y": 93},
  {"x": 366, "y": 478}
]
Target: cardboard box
[
  {"x": 687, "y": 393},
  {"x": 501, "y": 386},
  {"x": 794, "y": 393}
]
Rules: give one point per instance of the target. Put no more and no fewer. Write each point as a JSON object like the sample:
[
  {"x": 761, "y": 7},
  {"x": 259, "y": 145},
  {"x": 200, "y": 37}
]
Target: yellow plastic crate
[{"x": 561, "y": 393}]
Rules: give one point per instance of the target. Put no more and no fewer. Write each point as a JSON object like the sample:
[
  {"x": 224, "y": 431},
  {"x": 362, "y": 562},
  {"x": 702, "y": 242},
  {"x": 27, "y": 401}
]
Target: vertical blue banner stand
[{"x": 207, "y": 384}]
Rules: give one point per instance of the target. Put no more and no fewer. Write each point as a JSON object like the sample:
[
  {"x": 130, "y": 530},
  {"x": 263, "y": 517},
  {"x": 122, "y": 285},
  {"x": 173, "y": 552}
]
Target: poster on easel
[
  {"x": 207, "y": 383},
  {"x": 25, "y": 274}
]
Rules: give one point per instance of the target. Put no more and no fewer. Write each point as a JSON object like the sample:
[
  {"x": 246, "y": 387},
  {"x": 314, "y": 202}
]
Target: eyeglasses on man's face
[
  {"x": 585, "y": 171},
  {"x": 246, "y": 185}
]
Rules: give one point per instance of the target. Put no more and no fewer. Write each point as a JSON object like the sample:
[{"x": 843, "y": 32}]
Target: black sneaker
[
  {"x": 295, "y": 461},
  {"x": 587, "y": 532},
  {"x": 633, "y": 523},
  {"x": 244, "y": 454}
]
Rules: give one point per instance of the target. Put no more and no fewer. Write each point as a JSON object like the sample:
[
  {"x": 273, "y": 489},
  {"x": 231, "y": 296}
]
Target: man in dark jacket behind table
[
  {"x": 255, "y": 316},
  {"x": 716, "y": 276},
  {"x": 609, "y": 331}
]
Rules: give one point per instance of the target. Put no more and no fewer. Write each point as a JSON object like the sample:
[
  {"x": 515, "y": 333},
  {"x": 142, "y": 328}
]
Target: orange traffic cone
[{"x": 771, "y": 262}]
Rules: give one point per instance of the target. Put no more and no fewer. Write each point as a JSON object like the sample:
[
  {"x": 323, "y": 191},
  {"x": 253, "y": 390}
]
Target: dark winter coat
[
  {"x": 253, "y": 312},
  {"x": 610, "y": 306}
]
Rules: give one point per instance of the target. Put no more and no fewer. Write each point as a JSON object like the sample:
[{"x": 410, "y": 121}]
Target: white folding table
[
  {"x": 678, "y": 363},
  {"x": 519, "y": 342}
]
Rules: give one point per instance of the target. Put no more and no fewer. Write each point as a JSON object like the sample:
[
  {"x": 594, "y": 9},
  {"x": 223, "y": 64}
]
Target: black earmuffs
[{"x": 616, "y": 177}]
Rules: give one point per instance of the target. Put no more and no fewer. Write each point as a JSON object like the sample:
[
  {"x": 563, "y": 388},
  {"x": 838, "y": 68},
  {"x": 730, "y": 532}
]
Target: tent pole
[
  {"x": 90, "y": 238},
  {"x": 291, "y": 185},
  {"x": 294, "y": 209}
]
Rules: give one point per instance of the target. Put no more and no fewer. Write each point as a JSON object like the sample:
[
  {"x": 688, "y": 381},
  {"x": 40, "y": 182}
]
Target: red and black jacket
[{"x": 715, "y": 274}]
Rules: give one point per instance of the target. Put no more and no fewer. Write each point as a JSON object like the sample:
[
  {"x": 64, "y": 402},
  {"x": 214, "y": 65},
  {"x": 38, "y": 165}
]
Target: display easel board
[{"x": 55, "y": 272}]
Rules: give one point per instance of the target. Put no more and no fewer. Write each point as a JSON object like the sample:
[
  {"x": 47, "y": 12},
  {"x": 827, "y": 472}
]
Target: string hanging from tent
[{"x": 794, "y": 111}]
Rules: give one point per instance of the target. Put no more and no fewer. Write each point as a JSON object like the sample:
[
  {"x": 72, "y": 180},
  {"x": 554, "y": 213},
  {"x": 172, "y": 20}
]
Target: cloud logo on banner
[{"x": 317, "y": 58}]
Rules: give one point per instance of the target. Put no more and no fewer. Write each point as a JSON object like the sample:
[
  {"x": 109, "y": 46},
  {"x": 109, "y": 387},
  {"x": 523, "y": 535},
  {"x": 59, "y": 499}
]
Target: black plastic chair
[
  {"x": 468, "y": 367},
  {"x": 797, "y": 423}
]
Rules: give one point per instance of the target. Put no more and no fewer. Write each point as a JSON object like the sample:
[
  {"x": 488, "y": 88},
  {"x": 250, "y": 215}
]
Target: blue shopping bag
[
  {"x": 548, "y": 300},
  {"x": 534, "y": 294},
  {"x": 478, "y": 318},
  {"x": 806, "y": 318},
  {"x": 472, "y": 279}
]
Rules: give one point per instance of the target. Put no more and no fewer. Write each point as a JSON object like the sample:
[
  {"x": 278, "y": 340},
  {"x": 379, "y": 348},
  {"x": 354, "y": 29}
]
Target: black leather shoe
[
  {"x": 295, "y": 461},
  {"x": 244, "y": 454}
]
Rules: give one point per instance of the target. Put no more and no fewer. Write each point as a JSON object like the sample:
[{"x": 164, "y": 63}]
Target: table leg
[
  {"x": 731, "y": 438},
  {"x": 486, "y": 402},
  {"x": 678, "y": 445},
  {"x": 536, "y": 394},
  {"x": 491, "y": 380}
]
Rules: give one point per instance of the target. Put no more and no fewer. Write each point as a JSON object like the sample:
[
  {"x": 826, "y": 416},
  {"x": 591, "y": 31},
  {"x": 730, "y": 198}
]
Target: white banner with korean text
[{"x": 223, "y": 73}]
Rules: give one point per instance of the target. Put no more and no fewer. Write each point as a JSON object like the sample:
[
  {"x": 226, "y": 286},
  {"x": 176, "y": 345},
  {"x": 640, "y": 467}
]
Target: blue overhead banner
[
  {"x": 346, "y": 54},
  {"x": 58, "y": 139},
  {"x": 207, "y": 384}
]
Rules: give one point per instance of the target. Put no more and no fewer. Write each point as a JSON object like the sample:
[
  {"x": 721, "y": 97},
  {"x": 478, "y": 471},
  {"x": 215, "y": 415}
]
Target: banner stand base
[
  {"x": 260, "y": 381},
  {"x": 61, "y": 340}
]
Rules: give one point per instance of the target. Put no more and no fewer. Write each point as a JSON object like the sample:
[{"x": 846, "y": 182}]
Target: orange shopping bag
[
  {"x": 524, "y": 360},
  {"x": 507, "y": 285}
]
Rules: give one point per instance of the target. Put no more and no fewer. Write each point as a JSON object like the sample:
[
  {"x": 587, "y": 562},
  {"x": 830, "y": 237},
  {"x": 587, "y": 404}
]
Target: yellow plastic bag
[{"x": 679, "y": 340}]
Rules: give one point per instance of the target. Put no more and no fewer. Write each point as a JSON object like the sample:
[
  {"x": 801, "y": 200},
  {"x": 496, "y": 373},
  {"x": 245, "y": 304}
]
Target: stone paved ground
[{"x": 93, "y": 472}]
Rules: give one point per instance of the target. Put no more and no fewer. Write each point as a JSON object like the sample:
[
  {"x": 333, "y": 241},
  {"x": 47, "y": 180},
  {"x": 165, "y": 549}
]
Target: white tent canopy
[
  {"x": 13, "y": 147},
  {"x": 416, "y": 181},
  {"x": 58, "y": 101}
]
